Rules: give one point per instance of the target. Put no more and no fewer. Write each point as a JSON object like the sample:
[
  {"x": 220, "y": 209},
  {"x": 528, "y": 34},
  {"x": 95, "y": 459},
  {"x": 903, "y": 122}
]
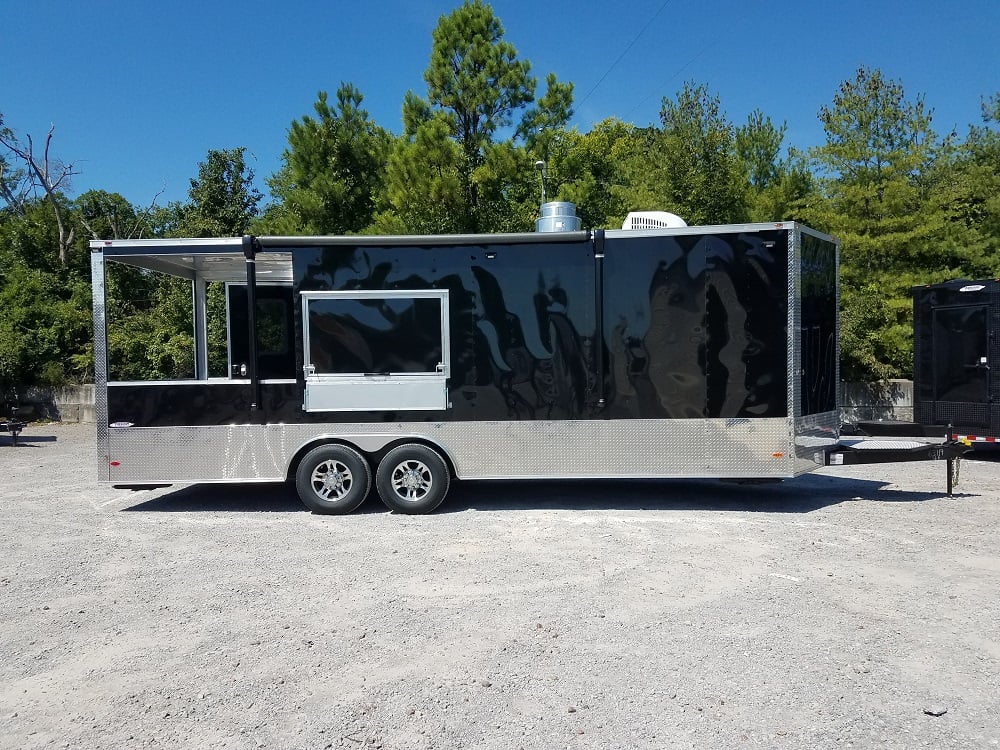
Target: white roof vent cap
[{"x": 652, "y": 220}]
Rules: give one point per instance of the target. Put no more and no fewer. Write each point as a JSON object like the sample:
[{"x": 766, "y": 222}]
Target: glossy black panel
[
  {"x": 746, "y": 294},
  {"x": 696, "y": 325},
  {"x": 199, "y": 403},
  {"x": 818, "y": 327},
  {"x": 956, "y": 348},
  {"x": 521, "y": 320},
  {"x": 275, "y": 329}
]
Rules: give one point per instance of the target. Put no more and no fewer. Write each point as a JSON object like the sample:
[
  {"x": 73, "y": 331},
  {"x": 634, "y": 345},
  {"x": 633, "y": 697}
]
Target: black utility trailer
[
  {"x": 402, "y": 362},
  {"x": 956, "y": 340}
]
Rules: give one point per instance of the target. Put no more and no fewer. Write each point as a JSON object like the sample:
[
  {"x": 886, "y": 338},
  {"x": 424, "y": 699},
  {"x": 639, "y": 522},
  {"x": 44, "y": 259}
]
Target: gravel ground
[{"x": 834, "y": 610}]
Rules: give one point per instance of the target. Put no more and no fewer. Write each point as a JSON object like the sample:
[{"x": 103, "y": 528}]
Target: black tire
[
  {"x": 333, "y": 479},
  {"x": 412, "y": 479}
]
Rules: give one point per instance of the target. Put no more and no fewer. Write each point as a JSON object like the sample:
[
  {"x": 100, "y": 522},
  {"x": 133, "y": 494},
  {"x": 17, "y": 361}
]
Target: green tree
[
  {"x": 423, "y": 184},
  {"x": 874, "y": 173},
  {"x": 546, "y": 123},
  {"x": 690, "y": 165},
  {"x": 475, "y": 78},
  {"x": 223, "y": 198},
  {"x": 590, "y": 169},
  {"x": 44, "y": 306},
  {"x": 758, "y": 144},
  {"x": 475, "y": 87},
  {"x": 333, "y": 174},
  {"x": 108, "y": 216},
  {"x": 966, "y": 187},
  {"x": 778, "y": 186}
]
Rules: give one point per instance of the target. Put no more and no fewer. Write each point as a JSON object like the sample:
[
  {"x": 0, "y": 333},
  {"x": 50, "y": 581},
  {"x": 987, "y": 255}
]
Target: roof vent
[
  {"x": 652, "y": 220},
  {"x": 557, "y": 216}
]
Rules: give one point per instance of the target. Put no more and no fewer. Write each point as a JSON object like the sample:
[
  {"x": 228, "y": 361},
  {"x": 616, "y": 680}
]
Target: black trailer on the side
[{"x": 956, "y": 340}]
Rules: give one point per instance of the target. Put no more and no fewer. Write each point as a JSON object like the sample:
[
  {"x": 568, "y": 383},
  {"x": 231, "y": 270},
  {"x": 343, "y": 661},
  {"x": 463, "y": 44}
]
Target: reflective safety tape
[{"x": 977, "y": 438}]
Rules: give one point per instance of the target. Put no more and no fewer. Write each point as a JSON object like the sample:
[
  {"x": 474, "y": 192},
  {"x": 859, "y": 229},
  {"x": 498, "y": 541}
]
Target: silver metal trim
[
  {"x": 195, "y": 381},
  {"x": 702, "y": 230},
  {"x": 100, "y": 365},
  {"x": 678, "y": 448},
  {"x": 423, "y": 240},
  {"x": 793, "y": 354},
  {"x": 200, "y": 325},
  {"x": 187, "y": 242},
  {"x": 820, "y": 235}
]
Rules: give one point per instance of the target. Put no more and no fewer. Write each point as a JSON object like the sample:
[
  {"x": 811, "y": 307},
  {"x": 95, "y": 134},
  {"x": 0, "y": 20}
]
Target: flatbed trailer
[{"x": 404, "y": 362}]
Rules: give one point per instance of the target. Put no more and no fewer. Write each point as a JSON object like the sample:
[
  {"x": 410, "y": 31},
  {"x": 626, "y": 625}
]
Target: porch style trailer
[{"x": 677, "y": 352}]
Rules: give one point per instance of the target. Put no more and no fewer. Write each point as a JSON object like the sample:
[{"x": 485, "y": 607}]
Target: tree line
[{"x": 911, "y": 206}]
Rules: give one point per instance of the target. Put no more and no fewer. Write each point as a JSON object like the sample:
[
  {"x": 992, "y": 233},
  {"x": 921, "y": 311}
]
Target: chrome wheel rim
[
  {"x": 332, "y": 480},
  {"x": 412, "y": 480}
]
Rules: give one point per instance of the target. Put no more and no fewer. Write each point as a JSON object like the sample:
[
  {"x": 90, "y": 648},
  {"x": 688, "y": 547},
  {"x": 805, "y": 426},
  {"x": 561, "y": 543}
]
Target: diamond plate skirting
[{"x": 728, "y": 448}]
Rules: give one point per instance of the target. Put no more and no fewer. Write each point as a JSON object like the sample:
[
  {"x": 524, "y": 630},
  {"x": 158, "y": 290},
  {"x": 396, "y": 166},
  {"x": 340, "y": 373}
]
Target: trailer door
[
  {"x": 961, "y": 371},
  {"x": 275, "y": 331}
]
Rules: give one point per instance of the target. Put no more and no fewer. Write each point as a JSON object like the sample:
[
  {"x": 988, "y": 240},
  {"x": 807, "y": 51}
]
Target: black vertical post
[
  {"x": 250, "y": 253},
  {"x": 951, "y": 461}
]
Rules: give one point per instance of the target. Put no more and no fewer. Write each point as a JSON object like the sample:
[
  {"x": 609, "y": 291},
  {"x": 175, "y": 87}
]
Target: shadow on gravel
[
  {"x": 989, "y": 454},
  {"x": 262, "y": 498},
  {"x": 25, "y": 441},
  {"x": 801, "y": 495}
]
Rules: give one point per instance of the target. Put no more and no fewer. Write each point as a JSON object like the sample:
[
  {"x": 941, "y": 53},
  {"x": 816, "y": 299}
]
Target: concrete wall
[
  {"x": 72, "y": 403},
  {"x": 891, "y": 401},
  {"x": 859, "y": 402}
]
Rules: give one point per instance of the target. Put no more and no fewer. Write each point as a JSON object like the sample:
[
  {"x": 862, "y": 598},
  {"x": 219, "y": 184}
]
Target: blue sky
[{"x": 140, "y": 91}]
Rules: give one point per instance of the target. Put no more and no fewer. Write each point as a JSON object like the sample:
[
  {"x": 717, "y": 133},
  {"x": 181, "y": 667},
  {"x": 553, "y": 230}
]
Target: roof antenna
[{"x": 540, "y": 166}]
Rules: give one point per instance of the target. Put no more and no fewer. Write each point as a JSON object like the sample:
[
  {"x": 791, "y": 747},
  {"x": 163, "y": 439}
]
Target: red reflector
[{"x": 116, "y": 463}]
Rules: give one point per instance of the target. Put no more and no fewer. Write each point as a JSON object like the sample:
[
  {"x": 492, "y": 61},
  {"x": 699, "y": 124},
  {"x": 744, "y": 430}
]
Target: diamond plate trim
[
  {"x": 100, "y": 365},
  {"x": 725, "y": 448}
]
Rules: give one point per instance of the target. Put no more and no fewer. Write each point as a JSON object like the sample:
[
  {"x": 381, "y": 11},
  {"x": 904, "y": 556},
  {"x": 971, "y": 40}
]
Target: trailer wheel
[
  {"x": 333, "y": 479},
  {"x": 412, "y": 479}
]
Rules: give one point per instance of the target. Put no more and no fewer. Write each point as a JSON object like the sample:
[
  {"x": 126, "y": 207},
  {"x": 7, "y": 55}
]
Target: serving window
[{"x": 375, "y": 350}]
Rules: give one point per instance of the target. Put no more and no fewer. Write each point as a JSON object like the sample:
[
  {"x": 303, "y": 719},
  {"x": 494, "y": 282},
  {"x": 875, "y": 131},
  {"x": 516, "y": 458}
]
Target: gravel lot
[{"x": 834, "y": 610}]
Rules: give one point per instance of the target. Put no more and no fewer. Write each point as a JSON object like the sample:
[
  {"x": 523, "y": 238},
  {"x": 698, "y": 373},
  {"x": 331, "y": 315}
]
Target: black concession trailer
[{"x": 406, "y": 361}]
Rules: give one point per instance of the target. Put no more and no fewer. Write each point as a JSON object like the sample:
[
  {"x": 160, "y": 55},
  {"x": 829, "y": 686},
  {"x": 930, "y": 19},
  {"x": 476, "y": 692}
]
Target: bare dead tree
[
  {"x": 141, "y": 218},
  {"x": 45, "y": 173},
  {"x": 122, "y": 227},
  {"x": 15, "y": 187}
]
